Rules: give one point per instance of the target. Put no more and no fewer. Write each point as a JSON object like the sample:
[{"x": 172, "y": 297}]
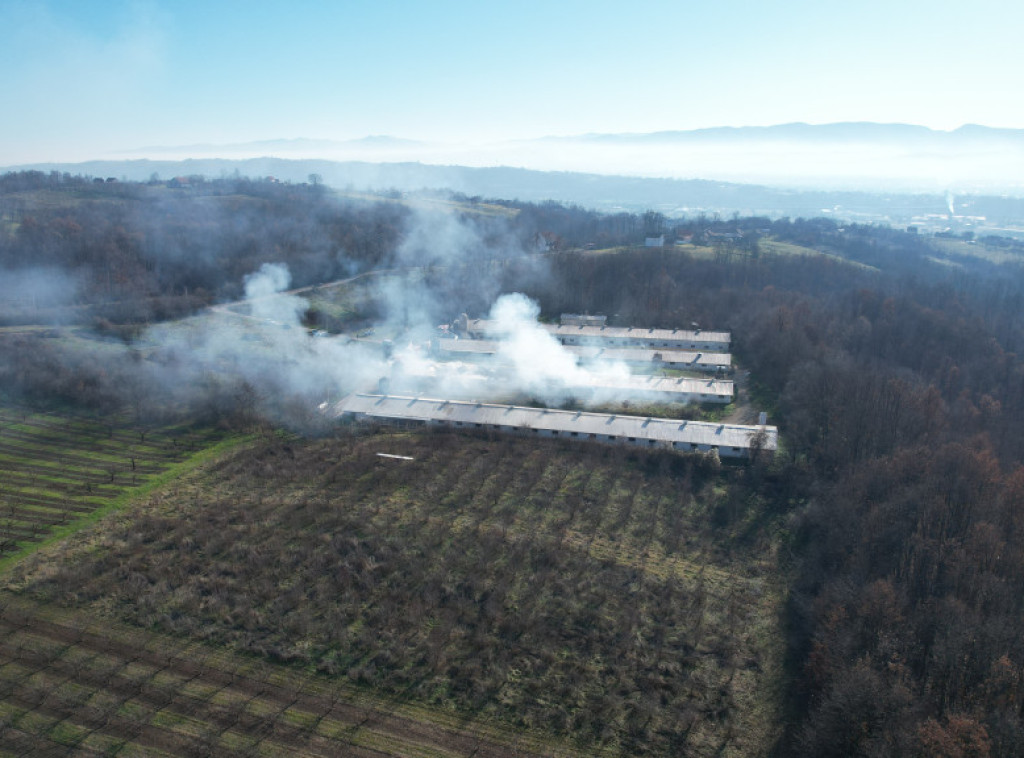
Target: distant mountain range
[
  {"x": 844, "y": 156},
  {"x": 278, "y": 146},
  {"x": 845, "y": 132},
  {"x": 851, "y": 131},
  {"x": 867, "y": 171},
  {"x": 674, "y": 197}
]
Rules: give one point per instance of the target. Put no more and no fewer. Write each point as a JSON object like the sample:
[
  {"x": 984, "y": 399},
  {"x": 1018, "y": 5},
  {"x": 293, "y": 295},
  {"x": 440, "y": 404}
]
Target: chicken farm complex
[{"x": 658, "y": 352}]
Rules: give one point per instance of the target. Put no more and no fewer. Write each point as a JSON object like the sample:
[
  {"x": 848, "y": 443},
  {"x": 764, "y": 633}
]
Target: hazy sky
[{"x": 84, "y": 78}]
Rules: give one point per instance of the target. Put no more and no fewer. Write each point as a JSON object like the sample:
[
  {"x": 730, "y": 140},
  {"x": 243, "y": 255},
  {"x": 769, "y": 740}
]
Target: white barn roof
[
  {"x": 676, "y": 358},
  {"x": 703, "y": 361},
  {"x": 730, "y": 439},
  {"x": 618, "y": 334},
  {"x": 430, "y": 377},
  {"x": 720, "y": 389}
]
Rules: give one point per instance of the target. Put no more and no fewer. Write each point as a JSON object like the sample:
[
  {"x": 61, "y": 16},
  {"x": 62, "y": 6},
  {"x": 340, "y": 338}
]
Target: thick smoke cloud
[
  {"x": 256, "y": 354},
  {"x": 540, "y": 364},
  {"x": 449, "y": 262},
  {"x": 263, "y": 291},
  {"x": 528, "y": 362},
  {"x": 260, "y": 345},
  {"x": 39, "y": 294}
]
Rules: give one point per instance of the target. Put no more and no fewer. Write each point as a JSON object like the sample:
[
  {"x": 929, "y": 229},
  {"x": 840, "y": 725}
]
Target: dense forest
[{"x": 897, "y": 383}]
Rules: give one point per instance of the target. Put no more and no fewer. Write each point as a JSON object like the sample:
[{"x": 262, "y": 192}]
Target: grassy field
[
  {"x": 56, "y": 471},
  {"x": 957, "y": 248},
  {"x": 426, "y": 201},
  {"x": 774, "y": 247},
  {"x": 572, "y": 598},
  {"x": 766, "y": 247}
]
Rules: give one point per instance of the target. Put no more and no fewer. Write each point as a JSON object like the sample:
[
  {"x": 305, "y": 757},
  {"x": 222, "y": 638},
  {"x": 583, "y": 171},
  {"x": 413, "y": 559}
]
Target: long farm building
[
  {"x": 613, "y": 336},
  {"x": 729, "y": 440},
  {"x": 658, "y": 389},
  {"x": 583, "y": 386},
  {"x": 661, "y": 358}
]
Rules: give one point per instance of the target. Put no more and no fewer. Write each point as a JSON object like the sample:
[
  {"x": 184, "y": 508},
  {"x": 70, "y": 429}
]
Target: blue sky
[{"x": 86, "y": 78}]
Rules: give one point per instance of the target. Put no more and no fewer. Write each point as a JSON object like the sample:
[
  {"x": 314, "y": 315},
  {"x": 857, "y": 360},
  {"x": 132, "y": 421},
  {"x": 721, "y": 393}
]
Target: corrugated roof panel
[
  {"x": 616, "y": 333},
  {"x": 613, "y": 354},
  {"x": 618, "y": 425}
]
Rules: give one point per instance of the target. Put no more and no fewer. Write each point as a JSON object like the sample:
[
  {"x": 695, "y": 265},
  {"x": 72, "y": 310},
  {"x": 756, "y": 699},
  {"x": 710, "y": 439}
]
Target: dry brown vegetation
[{"x": 576, "y": 592}]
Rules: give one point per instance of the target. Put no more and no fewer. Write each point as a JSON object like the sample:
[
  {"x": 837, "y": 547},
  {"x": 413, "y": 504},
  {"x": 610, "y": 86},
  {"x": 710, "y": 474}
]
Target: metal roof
[
  {"x": 583, "y": 384},
  {"x": 613, "y": 354},
  {"x": 617, "y": 333},
  {"x": 569, "y": 422},
  {"x": 697, "y": 359},
  {"x": 639, "y": 383}
]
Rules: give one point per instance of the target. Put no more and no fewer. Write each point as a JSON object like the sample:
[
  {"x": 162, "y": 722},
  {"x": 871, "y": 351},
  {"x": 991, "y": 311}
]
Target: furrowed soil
[{"x": 491, "y": 596}]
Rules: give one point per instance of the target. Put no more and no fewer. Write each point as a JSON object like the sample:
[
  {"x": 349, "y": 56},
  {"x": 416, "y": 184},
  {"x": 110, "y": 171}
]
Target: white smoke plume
[
  {"x": 528, "y": 362},
  {"x": 262, "y": 343},
  {"x": 38, "y": 294},
  {"x": 264, "y": 292},
  {"x": 448, "y": 262},
  {"x": 542, "y": 366}
]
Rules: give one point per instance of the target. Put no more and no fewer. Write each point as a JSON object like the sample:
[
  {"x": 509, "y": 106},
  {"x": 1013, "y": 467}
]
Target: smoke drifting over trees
[
  {"x": 138, "y": 252},
  {"x": 118, "y": 257}
]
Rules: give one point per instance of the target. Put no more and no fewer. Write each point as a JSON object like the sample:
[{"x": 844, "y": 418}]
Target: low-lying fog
[{"x": 836, "y": 156}]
